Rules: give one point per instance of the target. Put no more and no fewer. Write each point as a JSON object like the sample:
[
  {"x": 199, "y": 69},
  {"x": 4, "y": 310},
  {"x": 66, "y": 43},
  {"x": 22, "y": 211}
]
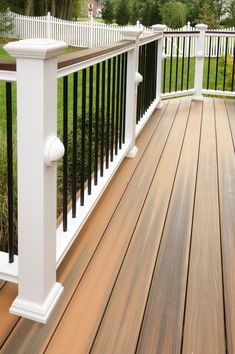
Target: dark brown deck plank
[
  {"x": 226, "y": 164},
  {"x": 75, "y": 263},
  {"x": 126, "y": 307},
  {"x": 163, "y": 321},
  {"x": 204, "y": 330},
  {"x": 82, "y": 318}
]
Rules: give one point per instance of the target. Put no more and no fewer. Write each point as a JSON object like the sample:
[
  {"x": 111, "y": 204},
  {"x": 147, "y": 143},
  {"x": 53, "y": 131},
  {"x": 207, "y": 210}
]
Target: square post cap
[
  {"x": 35, "y": 48},
  {"x": 159, "y": 28},
  {"x": 201, "y": 27},
  {"x": 131, "y": 33}
]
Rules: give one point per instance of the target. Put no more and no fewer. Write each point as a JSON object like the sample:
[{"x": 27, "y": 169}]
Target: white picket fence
[
  {"x": 95, "y": 34},
  {"x": 80, "y": 34}
]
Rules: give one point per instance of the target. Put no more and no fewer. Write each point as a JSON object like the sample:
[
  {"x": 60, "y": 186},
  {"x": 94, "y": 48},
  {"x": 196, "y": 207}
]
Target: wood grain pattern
[
  {"x": 126, "y": 307},
  {"x": 72, "y": 269},
  {"x": 7, "y": 321},
  {"x": 226, "y": 172},
  {"x": 163, "y": 321},
  {"x": 88, "y": 303},
  {"x": 204, "y": 319}
]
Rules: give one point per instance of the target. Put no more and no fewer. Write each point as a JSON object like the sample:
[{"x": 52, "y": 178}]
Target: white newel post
[
  {"x": 38, "y": 150},
  {"x": 200, "y": 54},
  {"x": 133, "y": 79},
  {"x": 160, "y": 57}
]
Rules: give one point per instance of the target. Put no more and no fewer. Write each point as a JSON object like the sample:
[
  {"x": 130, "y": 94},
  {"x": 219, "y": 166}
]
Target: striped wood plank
[
  {"x": 165, "y": 308},
  {"x": 88, "y": 304},
  {"x": 7, "y": 321},
  {"x": 72, "y": 268},
  {"x": 126, "y": 307},
  {"x": 226, "y": 169},
  {"x": 204, "y": 319}
]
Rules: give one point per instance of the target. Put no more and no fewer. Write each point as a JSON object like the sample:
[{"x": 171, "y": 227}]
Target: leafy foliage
[
  {"x": 174, "y": 14},
  {"x": 108, "y": 11}
]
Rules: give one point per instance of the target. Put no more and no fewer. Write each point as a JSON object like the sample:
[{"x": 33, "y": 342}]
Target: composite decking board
[
  {"x": 7, "y": 321},
  {"x": 126, "y": 307},
  {"x": 75, "y": 263},
  {"x": 82, "y": 318},
  {"x": 2, "y": 283},
  {"x": 204, "y": 330},
  {"x": 163, "y": 320},
  {"x": 226, "y": 172}
]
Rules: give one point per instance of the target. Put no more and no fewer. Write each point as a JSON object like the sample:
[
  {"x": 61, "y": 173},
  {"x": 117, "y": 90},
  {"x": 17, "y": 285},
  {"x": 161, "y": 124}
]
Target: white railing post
[
  {"x": 200, "y": 54},
  {"x": 132, "y": 87},
  {"x": 48, "y": 29},
  {"x": 37, "y": 148},
  {"x": 160, "y": 57}
]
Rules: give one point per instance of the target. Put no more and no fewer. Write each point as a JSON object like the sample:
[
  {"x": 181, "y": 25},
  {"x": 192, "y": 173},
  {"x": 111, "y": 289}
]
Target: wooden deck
[{"x": 153, "y": 270}]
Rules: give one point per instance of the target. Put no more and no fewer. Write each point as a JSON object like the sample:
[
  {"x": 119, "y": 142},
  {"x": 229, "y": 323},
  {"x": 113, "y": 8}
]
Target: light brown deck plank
[
  {"x": 204, "y": 319},
  {"x": 75, "y": 263},
  {"x": 7, "y": 321},
  {"x": 126, "y": 308},
  {"x": 163, "y": 321},
  {"x": 81, "y": 320},
  {"x": 226, "y": 164}
]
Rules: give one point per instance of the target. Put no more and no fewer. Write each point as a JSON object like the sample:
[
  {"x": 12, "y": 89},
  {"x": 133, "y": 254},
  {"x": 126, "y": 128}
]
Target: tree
[
  {"x": 122, "y": 12},
  {"x": 108, "y": 11},
  {"x": 207, "y": 15},
  {"x": 230, "y": 10},
  {"x": 147, "y": 12},
  {"x": 174, "y": 14}
]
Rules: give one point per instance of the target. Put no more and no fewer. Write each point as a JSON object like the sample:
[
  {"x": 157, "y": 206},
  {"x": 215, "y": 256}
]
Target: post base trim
[
  {"x": 132, "y": 152},
  {"x": 198, "y": 98},
  {"x": 37, "y": 312}
]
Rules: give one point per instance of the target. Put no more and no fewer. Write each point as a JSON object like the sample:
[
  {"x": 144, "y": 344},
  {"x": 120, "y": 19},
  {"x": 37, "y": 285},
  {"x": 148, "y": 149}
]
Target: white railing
[
  {"x": 81, "y": 34},
  {"x": 41, "y": 245}
]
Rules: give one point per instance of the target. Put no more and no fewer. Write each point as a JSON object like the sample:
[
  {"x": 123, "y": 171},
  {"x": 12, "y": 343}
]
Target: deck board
[
  {"x": 204, "y": 319},
  {"x": 121, "y": 314},
  {"x": 226, "y": 172},
  {"x": 152, "y": 271},
  {"x": 163, "y": 321}
]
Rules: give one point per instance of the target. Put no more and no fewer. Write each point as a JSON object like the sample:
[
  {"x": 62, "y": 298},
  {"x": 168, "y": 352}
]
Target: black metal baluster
[
  {"x": 90, "y": 129},
  {"x": 171, "y": 63},
  {"x": 233, "y": 71},
  {"x": 189, "y": 58},
  {"x": 209, "y": 65},
  {"x": 113, "y": 106},
  {"x": 74, "y": 158},
  {"x": 108, "y": 114},
  {"x": 83, "y": 142},
  {"x": 164, "y": 71},
  {"x": 177, "y": 65},
  {"x": 182, "y": 73},
  {"x": 225, "y": 63},
  {"x": 124, "y": 100},
  {"x": 144, "y": 80},
  {"x": 121, "y": 101},
  {"x": 217, "y": 63},
  {"x": 10, "y": 186},
  {"x": 117, "y": 106},
  {"x": 97, "y": 123},
  {"x": 139, "y": 88},
  {"x": 102, "y": 120},
  {"x": 65, "y": 158}
]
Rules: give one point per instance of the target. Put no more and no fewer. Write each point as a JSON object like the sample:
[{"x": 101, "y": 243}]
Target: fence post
[
  {"x": 132, "y": 87},
  {"x": 36, "y": 141},
  {"x": 160, "y": 56},
  {"x": 48, "y": 34},
  {"x": 200, "y": 54}
]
